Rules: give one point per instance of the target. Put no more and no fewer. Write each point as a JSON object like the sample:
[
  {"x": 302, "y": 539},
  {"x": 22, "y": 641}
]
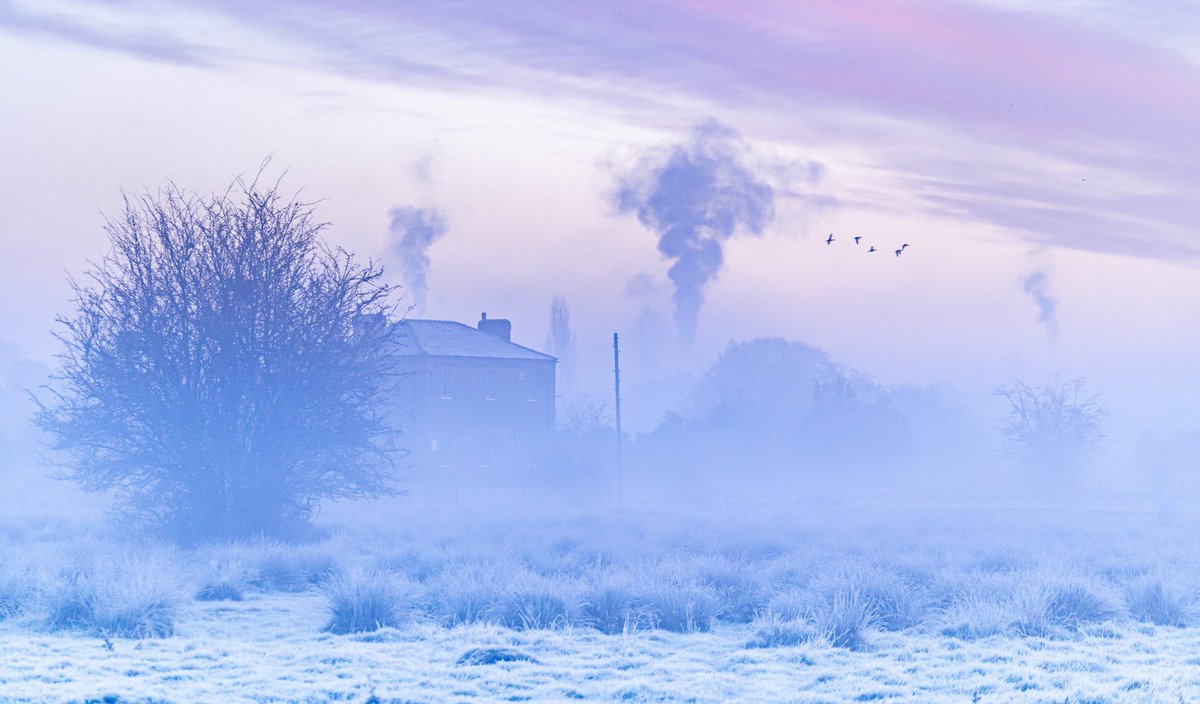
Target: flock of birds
[{"x": 858, "y": 238}]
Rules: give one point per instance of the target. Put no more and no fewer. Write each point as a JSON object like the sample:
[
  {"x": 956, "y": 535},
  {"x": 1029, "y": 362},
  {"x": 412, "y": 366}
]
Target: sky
[{"x": 1038, "y": 158}]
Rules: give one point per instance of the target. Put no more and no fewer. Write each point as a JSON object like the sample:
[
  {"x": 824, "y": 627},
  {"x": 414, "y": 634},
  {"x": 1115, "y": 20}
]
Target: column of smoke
[
  {"x": 412, "y": 231},
  {"x": 1037, "y": 286},
  {"x": 694, "y": 196}
]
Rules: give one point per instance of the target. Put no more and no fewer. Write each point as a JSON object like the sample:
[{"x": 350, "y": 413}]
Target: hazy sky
[{"x": 1041, "y": 159}]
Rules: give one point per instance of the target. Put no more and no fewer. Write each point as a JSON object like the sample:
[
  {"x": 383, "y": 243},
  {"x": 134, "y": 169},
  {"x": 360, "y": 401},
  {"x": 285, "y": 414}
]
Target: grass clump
[
  {"x": 844, "y": 619},
  {"x": 362, "y": 601},
  {"x": 974, "y": 616},
  {"x": 128, "y": 599},
  {"x": 772, "y": 630},
  {"x": 277, "y": 567},
  {"x": 1051, "y": 610},
  {"x": 224, "y": 580},
  {"x": 680, "y": 607},
  {"x": 609, "y": 604},
  {"x": 1151, "y": 601},
  {"x": 464, "y": 594},
  {"x": 537, "y": 602}
]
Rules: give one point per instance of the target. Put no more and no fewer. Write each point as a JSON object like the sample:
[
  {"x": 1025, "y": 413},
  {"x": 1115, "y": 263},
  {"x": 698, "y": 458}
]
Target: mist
[{"x": 754, "y": 352}]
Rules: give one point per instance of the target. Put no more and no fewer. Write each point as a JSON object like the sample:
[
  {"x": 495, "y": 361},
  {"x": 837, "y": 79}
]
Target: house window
[
  {"x": 489, "y": 386},
  {"x": 444, "y": 384}
]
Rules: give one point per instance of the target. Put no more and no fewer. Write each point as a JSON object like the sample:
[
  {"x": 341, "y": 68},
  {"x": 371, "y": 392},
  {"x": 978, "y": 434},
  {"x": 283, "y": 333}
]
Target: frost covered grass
[
  {"x": 113, "y": 597},
  {"x": 823, "y": 592},
  {"x": 361, "y": 601}
]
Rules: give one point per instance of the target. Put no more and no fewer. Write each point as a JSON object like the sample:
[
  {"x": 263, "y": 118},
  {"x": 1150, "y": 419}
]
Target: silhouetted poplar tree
[{"x": 225, "y": 369}]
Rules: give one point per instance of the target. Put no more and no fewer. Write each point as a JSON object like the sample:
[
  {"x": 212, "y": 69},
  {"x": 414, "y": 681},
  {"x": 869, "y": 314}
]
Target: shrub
[
  {"x": 361, "y": 601},
  {"x": 1150, "y": 600}
]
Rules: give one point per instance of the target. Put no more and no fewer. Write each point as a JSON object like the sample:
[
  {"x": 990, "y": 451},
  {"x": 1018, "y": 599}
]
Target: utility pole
[{"x": 617, "y": 386}]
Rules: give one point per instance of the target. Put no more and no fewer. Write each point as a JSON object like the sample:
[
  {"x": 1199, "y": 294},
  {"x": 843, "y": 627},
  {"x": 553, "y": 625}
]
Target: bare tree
[
  {"x": 218, "y": 374},
  {"x": 1056, "y": 428}
]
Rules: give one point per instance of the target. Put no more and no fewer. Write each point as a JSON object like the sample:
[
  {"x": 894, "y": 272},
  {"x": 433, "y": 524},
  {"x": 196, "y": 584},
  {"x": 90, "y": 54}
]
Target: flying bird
[
  {"x": 872, "y": 249},
  {"x": 857, "y": 238},
  {"x": 829, "y": 240},
  {"x": 898, "y": 251},
  {"x": 904, "y": 247}
]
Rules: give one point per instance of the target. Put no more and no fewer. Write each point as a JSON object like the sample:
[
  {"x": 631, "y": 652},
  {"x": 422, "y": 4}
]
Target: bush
[
  {"x": 1151, "y": 601},
  {"x": 361, "y": 601}
]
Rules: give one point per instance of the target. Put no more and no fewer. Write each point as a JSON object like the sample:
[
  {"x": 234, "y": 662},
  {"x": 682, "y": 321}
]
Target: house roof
[{"x": 447, "y": 338}]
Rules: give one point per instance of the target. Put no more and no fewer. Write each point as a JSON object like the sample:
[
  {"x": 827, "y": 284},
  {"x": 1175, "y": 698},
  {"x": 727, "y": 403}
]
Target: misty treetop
[{"x": 216, "y": 374}]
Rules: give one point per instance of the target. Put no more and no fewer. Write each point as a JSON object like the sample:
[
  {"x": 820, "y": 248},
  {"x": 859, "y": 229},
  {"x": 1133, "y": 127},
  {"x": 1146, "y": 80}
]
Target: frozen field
[
  {"x": 961, "y": 607},
  {"x": 270, "y": 649}
]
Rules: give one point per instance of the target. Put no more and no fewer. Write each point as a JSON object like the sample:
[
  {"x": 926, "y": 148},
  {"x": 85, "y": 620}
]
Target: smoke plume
[
  {"x": 1037, "y": 286},
  {"x": 695, "y": 196},
  {"x": 413, "y": 230}
]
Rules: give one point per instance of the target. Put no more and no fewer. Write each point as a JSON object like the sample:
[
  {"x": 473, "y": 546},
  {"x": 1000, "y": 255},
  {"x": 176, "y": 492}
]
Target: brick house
[{"x": 470, "y": 397}]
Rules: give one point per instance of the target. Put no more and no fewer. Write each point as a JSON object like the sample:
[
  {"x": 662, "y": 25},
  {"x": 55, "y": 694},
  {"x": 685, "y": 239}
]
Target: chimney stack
[{"x": 499, "y": 327}]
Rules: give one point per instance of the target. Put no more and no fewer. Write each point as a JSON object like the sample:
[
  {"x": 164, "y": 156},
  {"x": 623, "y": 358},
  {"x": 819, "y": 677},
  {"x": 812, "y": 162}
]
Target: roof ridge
[{"x": 490, "y": 337}]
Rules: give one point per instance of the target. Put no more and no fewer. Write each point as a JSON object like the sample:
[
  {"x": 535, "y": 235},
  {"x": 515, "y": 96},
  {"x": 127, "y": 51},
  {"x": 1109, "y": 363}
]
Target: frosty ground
[{"x": 984, "y": 605}]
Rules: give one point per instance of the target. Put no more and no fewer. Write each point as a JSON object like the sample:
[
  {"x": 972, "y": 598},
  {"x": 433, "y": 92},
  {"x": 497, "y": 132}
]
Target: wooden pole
[{"x": 617, "y": 387}]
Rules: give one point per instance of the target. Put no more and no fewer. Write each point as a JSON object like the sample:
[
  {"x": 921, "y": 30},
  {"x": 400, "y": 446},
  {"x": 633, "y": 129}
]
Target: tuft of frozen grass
[
  {"x": 608, "y": 604},
  {"x": 535, "y": 601},
  {"x": 123, "y": 598},
  {"x": 974, "y": 616},
  {"x": 772, "y": 630},
  {"x": 680, "y": 607},
  {"x": 1149, "y": 599},
  {"x": 737, "y": 584},
  {"x": 224, "y": 580},
  {"x": 464, "y": 594},
  {"x": 844, "y": 619},
  {"x": 1049, "y": 610},
  {"x": 362, "y": 601},
  {"x": 278, "y": 567},
  {"x": 1075, "y": 605}
]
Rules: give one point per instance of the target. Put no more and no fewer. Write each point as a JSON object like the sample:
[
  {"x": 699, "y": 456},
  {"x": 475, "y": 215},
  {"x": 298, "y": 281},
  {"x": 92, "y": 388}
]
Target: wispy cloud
[
  {"x": 148, "y": 42},
  {"x": 1061, "y": 87}
]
